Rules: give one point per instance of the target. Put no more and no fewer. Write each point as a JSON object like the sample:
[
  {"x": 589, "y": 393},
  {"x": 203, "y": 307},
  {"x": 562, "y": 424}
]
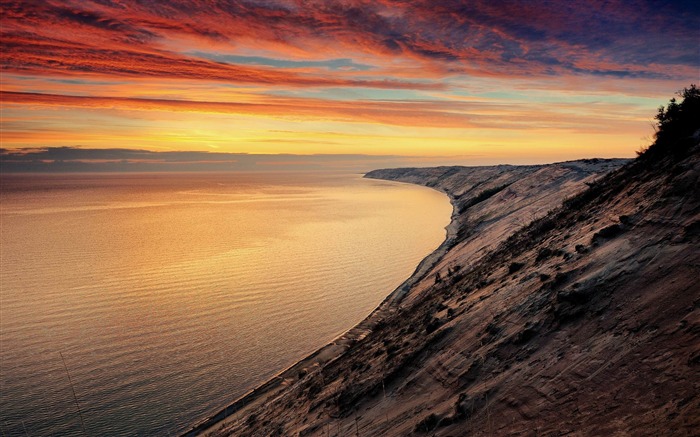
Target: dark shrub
[
  {"x": 607, "y": 232},
  {"x": 544, "y": 253},
  {"x": 429, "y": 423},
  {"x": 433, "y": 325},
  {"x": 514, "y": 267},
  {"x": 528, "y": 332}
]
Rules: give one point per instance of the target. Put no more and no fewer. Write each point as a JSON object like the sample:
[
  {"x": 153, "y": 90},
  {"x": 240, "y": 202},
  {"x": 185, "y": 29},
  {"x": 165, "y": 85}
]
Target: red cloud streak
[
  {"x": 418, "y": 113},
  {"x": 393, "y": 113},
  {"x": 30, "y": 56},
  {"x": 480, "y": 37}
]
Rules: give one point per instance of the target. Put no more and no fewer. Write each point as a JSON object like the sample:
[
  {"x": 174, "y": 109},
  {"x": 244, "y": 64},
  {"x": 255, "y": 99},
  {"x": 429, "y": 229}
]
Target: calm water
[{"x": 171, "y": 295}]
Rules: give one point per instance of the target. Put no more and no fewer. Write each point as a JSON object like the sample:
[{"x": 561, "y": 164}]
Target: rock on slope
[{"x": 582, "y": 320}]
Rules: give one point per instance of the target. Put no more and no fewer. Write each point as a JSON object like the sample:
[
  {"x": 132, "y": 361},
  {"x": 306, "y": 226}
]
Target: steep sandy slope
[
  {"x": 532, "y": 319},
  {"x": 585, "y": 322},
  {"x": 490, "y": 204}
]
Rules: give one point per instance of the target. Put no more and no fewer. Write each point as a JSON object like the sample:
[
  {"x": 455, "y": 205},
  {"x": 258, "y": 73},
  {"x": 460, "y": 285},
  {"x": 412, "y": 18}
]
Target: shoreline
[
  {"x": 337, "y": 347},
  {"x": 543, "y": 288}
]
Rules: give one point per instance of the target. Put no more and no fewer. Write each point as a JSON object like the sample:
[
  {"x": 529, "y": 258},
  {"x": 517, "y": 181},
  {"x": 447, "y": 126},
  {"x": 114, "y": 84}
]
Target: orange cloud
[
  {"x": 479, "y": 72},
  {"x": 420, "y": 113},
  {"x": 393, "y": 113}
]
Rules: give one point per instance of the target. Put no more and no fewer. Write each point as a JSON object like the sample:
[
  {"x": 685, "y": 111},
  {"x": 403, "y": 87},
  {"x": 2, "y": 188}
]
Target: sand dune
[
  {"x": 532, "y": 319},
  {"x": 564, "y": 301},
  {"x": 521, "y": 321}
]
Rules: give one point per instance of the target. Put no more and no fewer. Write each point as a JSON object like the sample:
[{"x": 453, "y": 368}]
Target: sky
[{"x": 464, "y": 82}]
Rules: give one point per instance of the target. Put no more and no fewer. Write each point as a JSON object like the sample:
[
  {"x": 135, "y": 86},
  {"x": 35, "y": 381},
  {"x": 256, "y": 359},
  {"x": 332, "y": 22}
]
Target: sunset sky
[{"x": 480, "y": 81}]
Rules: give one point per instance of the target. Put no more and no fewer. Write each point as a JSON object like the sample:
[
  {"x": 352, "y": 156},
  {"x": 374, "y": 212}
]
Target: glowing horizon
[{"x": 479, "y": 82}]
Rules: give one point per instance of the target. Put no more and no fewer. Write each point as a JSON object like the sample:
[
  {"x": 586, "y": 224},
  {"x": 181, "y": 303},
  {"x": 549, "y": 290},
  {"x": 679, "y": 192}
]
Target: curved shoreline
[{"x": 336, "y": 348}]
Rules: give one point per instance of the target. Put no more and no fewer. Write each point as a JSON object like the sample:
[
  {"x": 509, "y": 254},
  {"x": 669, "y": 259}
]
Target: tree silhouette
[{"x": 678, "y": 124}]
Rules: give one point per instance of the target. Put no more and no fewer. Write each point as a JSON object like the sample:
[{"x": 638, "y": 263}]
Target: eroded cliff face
[{"x": 537, "y": 319}]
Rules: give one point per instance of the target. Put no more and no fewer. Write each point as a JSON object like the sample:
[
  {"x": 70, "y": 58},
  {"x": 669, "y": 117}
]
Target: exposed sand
[{"x": 521, "y": 194}]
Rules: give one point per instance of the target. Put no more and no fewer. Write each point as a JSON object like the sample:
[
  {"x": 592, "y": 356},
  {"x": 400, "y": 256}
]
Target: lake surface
[{"x": 170, "y": 295}]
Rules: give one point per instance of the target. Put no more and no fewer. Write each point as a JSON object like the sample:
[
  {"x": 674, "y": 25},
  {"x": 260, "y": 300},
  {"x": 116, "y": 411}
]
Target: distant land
[
  {"x": 564, "y": 301},
  {"x": 121, "y": 160},
  {"x": 79, "y": 159}
]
